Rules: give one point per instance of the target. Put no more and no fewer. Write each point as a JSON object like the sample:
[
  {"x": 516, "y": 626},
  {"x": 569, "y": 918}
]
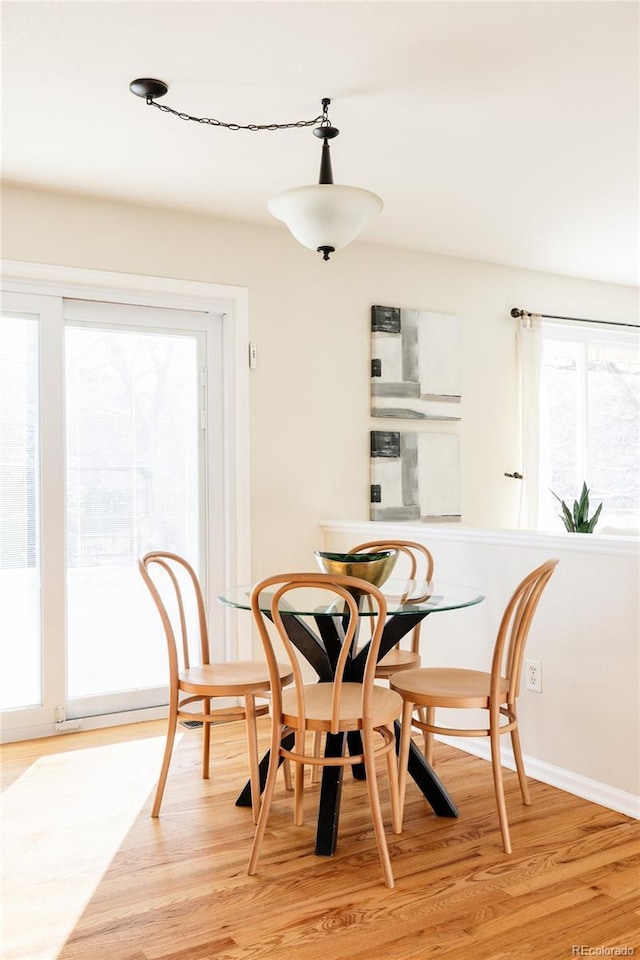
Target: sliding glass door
[{"x": 103, "y": 441}]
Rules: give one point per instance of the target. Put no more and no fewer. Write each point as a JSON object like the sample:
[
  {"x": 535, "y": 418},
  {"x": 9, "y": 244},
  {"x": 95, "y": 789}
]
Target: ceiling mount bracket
[
  {"x": 148, "y": 88},
  {"x": 325, "y": 130}
]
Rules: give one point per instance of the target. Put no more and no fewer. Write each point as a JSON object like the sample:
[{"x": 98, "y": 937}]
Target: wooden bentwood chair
[
  {"x": 420, "y": 568},
  {"x": 495, "y": 691},
  {"x": 174, "y": 586},
  {"x": 332, "y": 707}
]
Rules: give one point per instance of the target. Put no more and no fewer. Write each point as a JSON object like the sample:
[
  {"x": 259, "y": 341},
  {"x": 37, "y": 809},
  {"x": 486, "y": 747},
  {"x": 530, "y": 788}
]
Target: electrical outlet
[{"x": 533, "y": 675}]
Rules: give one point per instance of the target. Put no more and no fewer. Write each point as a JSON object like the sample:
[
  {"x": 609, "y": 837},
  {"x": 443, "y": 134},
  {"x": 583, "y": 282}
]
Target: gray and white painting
[
  {"x": 415, "y": 477},
  {"x": 415, "y": 364}
]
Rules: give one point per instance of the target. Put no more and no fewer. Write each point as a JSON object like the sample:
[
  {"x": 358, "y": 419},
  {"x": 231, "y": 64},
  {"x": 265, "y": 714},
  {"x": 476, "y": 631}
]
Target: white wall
[{"x": 310, "y": 417}]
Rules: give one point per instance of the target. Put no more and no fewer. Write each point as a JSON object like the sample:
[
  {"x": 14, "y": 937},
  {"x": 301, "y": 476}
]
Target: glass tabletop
[{"x": 402, "y": 596}]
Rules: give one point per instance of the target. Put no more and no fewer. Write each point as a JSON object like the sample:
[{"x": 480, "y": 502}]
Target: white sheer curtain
[{"x": 530, "y": 364}]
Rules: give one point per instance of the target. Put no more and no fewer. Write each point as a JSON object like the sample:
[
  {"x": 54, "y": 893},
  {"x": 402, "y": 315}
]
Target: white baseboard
[
  {"x": 619, "y": 800},
  {"x": 38, "y": 731},
  {"x": 77, "y": 725}
]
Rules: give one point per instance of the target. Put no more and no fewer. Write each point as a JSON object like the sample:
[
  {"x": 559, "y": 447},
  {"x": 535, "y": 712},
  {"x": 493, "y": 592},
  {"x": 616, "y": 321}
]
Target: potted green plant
[{"x": 578, "y": 520}]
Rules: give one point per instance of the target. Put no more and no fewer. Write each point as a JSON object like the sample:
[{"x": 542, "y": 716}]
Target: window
[{"x": 589, "y": 427}]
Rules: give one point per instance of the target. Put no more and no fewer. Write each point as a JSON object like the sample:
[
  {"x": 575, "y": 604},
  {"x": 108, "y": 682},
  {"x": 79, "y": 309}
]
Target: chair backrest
[
  {"x": 419, "y": 557},
  {"x": 343, "y": 588},
  {"x": 419, "y": 567},
  {"x": 175, "y": 588},
  {"x": 514, "y": 627}
]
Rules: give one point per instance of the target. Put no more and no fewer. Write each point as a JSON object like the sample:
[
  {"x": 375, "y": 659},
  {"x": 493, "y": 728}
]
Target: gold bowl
[{"x": 375, "y": 568}]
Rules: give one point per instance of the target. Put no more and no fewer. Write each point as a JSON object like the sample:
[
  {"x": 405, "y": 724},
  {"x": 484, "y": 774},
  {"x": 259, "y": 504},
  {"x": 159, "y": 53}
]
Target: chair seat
[
  {"x": 395, "y": 660},
  {"x": 446, "y": 687},
  {"x": 230, "y": 679},
  {"x": 386, "y": 706}
]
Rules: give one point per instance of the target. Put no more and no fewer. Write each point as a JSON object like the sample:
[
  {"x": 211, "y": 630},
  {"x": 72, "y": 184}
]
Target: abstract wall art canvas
[
  {"x": 415, "y": 364},
  {"x": 415, "y": 476}
]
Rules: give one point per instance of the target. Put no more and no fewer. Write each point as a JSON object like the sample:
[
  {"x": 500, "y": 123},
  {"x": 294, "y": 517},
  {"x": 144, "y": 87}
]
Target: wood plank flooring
[{"x": 177, "y": 889}]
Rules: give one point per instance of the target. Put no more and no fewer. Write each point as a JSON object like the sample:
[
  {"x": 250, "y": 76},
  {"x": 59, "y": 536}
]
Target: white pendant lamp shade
[{"x": 325, "y": 215}]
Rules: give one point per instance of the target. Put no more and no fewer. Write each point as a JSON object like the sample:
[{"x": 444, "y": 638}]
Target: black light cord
[
  {"x": 151, "y": 89},
  {"x": 212, "y": 122}
]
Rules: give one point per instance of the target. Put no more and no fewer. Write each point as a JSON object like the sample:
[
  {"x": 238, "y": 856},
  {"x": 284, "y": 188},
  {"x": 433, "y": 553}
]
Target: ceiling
[{"x": 499, "y": 131}]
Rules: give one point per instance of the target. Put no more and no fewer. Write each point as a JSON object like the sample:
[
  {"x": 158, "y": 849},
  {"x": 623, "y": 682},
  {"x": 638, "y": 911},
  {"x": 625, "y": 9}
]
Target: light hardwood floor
[{"x": 92, "y": 877}]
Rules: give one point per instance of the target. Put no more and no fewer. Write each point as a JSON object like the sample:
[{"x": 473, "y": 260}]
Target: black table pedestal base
[
  {"x": 244, "y": 800},
  {"x": 421, "y": 772},
  {"x": 330, "y": 793},
  {"x": 427, "y": 780}
]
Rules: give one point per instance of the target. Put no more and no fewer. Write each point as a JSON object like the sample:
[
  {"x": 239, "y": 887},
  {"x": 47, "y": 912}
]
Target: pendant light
[
  {"x": 326, "y": 216},
  {"x": 323, "y": 216}
]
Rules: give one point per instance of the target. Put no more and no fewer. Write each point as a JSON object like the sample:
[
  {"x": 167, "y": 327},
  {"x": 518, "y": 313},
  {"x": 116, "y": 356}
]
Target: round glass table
[
  {"x": 315, "y": 629},
  {"x": 404, "y": 597}
]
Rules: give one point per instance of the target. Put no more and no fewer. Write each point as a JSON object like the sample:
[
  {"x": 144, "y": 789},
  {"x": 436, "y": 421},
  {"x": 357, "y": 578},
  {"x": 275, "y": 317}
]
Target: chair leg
[
  {"x": 403, "y": 756},
  {"x": 394, "y": 790},
  {"x": 286, "y": 773},
  {"x": 206, "y": 739},
  {"x": 298, "y": 795},
  {"x": 267, "y": 796},
  {"x": 317, "y": 750},
  {"x": 429, "y": 717},
  {"x": 499, "y": 785},
  {"x": 166, "y": 760},
  {"x": 374, "y": 802},
  {"x": 252, "y": 743},
  {"x": 422, "y": 717},
  {"x": 522, "y": 776}
]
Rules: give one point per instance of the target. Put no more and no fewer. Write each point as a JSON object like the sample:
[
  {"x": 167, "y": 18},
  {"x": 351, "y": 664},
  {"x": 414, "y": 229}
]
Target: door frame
[{"x": 231, "y": 302}]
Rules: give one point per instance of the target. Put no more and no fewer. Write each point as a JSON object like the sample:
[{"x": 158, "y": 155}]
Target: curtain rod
[{"x": 551, "y": 316}]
